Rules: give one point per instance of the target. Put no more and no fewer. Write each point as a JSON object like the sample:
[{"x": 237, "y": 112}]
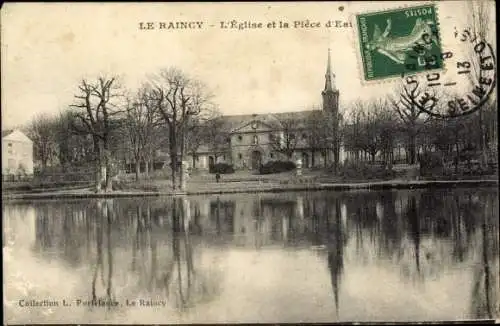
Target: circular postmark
[
  {"x": 420, "y": 56},
  {"x": 463, "y": 88}
]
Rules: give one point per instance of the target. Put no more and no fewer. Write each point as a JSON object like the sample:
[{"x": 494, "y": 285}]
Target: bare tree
[
  {"x": 480, "y": 23},
  {"x": 95, "y": 113},
  {"x": 372, "y": 129},
  {"x": 140, "y": 125},
  {"x": 216, "y": 134},
  {"x": 287, "y": 140},
  {"x": 195, "y": 137},
  {"x": 42, "y": 131},
  {"x": 317, "y": 132},
  {"x": 63, "y": 138},
  {"x": 410, "y": 114},
  {"x": 352, "y": 132},
  {"x": 74, "y": 149},
  {"x": 178, "y": 99}
]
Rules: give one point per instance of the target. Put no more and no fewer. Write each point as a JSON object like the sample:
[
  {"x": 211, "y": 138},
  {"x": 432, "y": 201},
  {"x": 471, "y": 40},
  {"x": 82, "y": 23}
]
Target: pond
[{"x": 402, "y": 255}]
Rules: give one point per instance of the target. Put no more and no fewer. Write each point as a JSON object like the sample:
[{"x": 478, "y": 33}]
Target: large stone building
[{"x": 255, "y": 139}]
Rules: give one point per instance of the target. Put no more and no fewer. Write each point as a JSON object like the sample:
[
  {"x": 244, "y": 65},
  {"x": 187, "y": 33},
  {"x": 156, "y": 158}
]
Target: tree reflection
[
  {"x": 193, "y": 285},
  {"x": 485, "y": 297},
  {"x": 414, "y": 230},
  {"x": 159, "y": 248},
  {"x": 103, "y": 221},
  {"x": 172, "y": 272}
]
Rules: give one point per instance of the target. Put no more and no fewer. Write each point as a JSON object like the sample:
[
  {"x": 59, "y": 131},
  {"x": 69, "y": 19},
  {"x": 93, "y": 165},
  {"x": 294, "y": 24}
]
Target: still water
[{"x": 313, "y": 257}]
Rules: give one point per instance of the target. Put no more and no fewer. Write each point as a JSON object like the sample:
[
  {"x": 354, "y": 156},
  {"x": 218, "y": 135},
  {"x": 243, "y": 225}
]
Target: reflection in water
[{"x": 174, "y": 252}]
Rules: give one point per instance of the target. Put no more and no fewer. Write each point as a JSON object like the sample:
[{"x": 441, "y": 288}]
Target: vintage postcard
[{"x": 255, "y": 162}]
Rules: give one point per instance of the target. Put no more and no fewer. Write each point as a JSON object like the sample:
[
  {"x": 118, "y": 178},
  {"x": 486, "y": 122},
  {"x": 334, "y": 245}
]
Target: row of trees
[
  {"x": 107, "y": 124},
  {"x": 376, "y": 127}
]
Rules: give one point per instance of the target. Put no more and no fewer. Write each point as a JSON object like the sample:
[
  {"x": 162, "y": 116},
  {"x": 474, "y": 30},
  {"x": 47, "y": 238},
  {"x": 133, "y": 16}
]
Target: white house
[{"x": 17, "y": 153}]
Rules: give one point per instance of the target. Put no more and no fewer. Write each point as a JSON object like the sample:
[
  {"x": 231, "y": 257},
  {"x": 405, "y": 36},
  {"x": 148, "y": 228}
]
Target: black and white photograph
[{"x": 249, "y": 162}]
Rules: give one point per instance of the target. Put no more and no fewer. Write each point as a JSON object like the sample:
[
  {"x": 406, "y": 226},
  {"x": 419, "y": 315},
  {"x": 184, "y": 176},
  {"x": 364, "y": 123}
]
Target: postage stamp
[{"x": 399, "y": 41}]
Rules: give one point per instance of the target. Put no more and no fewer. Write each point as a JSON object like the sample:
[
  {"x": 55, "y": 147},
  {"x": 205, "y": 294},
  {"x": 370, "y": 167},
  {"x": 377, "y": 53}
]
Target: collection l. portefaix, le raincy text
[{"x": 98, "y": 302}]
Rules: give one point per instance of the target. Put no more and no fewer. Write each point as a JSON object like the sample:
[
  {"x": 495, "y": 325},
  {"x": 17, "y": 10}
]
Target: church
[{"x": 256, "y": 139}]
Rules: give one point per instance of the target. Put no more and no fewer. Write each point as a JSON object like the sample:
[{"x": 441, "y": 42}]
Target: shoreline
[{"x": 262, "y": 188}]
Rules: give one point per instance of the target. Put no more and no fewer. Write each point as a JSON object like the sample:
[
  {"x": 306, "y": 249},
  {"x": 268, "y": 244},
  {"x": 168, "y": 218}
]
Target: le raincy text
[{"x": 243, "y": 25}]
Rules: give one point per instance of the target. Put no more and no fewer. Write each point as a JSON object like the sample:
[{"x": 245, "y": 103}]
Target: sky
[{"x": 47, "y": 48}]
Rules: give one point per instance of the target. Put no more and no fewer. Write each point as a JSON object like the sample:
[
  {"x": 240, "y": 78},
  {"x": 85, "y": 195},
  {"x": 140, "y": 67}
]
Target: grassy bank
[
  {"x": 39, "y": 186},
  {"x": 252, "y": 187}
]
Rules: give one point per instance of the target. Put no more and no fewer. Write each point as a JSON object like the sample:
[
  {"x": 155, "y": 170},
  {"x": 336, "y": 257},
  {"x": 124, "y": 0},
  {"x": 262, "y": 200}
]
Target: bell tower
[
  {"x": 330, "y": 93},
  {"x": 331, "y": 108}
]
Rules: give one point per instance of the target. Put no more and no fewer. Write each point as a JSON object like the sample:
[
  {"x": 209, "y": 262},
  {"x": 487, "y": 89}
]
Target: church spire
[{"x": 329, "y": 77}]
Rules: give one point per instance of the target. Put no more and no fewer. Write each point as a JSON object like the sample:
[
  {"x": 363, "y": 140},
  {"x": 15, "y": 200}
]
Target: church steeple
[
  {"x": 330, "y": 93},
  {"x": 329, "y": 77}
]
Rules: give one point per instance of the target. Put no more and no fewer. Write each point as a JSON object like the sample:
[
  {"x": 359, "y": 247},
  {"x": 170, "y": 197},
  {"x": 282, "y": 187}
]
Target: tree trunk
[
  {"x": 173, "y": 167},
  {"x": 98, "y": 175},
  {"x": 146, "y": 167},
  {"x": 482, "y": 141},
  {"x": 173, "y": 154},
  {"x": 137, "y": 169},
  {"x": 107, "y": 167},
  {"x": 412, "y": 149},
  {"x": 181, "y": 173},
  {"x": 97, "y": 164},
  {"x": 44, "y": 163}
]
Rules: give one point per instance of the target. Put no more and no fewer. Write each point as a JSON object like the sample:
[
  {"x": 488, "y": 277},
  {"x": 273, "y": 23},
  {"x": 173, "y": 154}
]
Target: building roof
[
  {"x": 7, "y": 132},
  {"x": 16, "y": 135},
  {"x": 272, "y": 119}
]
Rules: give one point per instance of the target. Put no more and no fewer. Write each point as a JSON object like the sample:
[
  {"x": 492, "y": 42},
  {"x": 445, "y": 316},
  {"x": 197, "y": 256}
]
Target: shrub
[
  {"x": 276, "y": 167},
  {"x": 35, "y": 185},
  {"x": 142, "y": 185},
  {"x": 221, "y": 168},
  {"x": 364, "y": 171},
  {"x": 431, "y": 163},
  {"x": 163, "y": 174}
]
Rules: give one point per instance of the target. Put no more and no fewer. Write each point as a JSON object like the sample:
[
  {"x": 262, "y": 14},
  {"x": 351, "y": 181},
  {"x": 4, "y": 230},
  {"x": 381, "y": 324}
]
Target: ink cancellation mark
[
  {"x": 409, "y": 41},
  {"x": 468, "y": 86}
]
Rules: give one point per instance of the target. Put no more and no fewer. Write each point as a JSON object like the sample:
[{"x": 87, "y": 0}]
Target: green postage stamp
[{"x": 399, "y": 41}]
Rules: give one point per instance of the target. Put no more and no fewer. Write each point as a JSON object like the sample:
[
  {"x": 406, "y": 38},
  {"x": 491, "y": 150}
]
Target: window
[
  {"x": 9, "y": 144},
  {"x": 240, "y": 156},
  {"x": 292, "y": 136},
  {"x": 271, "y": 137},
  {"x": 304, "y": 136},
  {"x": 271, "y": 155},
  {"x": 240, "y": 138},
  {"x": 255, "y": 139}
]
